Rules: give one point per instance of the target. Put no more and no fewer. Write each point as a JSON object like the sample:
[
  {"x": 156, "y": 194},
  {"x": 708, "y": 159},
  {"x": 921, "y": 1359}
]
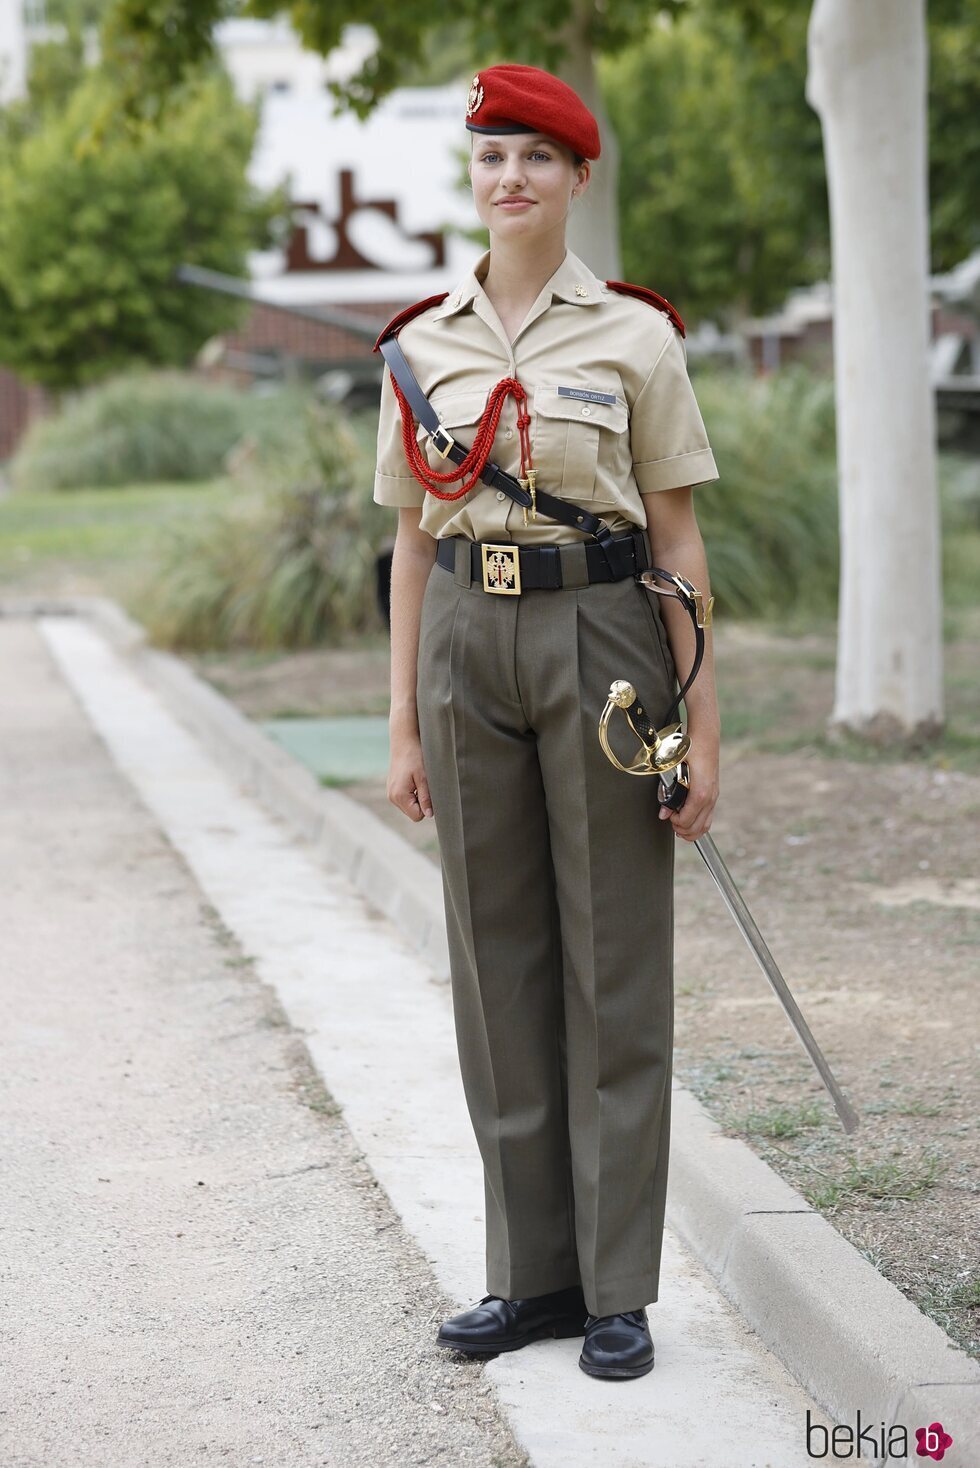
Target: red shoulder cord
[{"x": 479, "y": 452}]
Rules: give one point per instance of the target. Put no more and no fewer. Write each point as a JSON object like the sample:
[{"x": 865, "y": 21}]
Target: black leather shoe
[
  {"x": 505, "y": 1325},
  {"x": 617, "y": 1345}
]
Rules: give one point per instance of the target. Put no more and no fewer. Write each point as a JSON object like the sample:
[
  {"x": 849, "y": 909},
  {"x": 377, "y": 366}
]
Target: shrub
[
  {"x": 770, "y": 524},
  {"x": 290, "y": 563},
  {"x": 147, "y": 427}
]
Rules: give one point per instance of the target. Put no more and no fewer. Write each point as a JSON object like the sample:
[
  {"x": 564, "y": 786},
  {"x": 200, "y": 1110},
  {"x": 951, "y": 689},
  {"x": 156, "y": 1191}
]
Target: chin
[{"x": 524, "y": 218}]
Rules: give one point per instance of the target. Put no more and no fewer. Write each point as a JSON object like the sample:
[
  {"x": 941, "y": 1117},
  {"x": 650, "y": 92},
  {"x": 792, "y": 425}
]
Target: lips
[{"x": 510, "y": 203}]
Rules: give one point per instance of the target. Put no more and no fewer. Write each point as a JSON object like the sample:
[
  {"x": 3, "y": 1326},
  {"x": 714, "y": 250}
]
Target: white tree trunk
[
  {"x": 867, "y": 64},
  {"x": 593, "y": 221}
]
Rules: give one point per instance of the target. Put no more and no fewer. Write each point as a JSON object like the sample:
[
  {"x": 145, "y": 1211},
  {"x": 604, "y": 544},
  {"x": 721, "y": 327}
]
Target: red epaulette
[
  {"x": 397, "y": 322},
  {"x": 643, "y": 293}
]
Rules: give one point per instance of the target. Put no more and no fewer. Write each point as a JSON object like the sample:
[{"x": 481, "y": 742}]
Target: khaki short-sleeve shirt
[{"x": 629, "y": 425}]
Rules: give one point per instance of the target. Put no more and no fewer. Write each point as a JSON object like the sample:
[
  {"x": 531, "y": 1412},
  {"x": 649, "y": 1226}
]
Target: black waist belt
[{"x": 514, "y": 568}]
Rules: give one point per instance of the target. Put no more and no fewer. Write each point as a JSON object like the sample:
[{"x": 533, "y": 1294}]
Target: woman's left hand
[{"x": 694, "y": 817}]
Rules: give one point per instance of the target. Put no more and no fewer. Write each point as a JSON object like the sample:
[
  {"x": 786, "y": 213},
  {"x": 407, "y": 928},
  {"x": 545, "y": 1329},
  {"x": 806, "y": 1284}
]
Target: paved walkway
[{"x": 208, "y": 1255}]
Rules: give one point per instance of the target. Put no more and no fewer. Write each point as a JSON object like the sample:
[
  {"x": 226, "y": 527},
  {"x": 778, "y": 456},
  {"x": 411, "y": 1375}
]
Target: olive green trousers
[{"x": 558, "y": 884}]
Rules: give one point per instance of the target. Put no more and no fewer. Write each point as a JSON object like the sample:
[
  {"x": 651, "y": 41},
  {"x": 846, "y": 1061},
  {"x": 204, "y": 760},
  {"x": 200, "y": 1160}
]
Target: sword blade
[{"x": 736, "y": 905}]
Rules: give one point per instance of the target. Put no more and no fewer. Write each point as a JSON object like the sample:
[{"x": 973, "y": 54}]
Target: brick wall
[
  {"x": 20, "y": 403},
  {"x": 267, "y": 329}
]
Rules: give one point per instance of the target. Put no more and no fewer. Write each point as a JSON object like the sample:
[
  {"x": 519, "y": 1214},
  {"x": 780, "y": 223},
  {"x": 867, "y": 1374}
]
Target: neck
[{"x": 518, "y": 269}]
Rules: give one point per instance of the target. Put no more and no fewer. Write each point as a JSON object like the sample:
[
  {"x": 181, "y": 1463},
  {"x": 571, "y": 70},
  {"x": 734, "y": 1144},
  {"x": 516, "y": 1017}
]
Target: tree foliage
[
  {"x": 722, "y": 194},
  {"x": 155, "y": 40},
  {"x": 954, "y": 130},
  {"x": 90, "y": 234},
  {"x": 75, "y": 12}
]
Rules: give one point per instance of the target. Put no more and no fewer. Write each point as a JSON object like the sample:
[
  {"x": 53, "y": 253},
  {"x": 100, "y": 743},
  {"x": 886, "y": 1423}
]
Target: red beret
[{"x": 524, "y": 99}]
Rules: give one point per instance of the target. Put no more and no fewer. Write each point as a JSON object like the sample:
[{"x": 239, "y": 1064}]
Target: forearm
[
  {"x": 687, "y": 558},
  {"x": 410, "y": 568}
]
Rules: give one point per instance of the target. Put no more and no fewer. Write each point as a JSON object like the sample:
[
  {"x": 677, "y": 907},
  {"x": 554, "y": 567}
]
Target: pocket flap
[
  {"x": 580, "y": 410},
  {"x": 459, "y": 408}
]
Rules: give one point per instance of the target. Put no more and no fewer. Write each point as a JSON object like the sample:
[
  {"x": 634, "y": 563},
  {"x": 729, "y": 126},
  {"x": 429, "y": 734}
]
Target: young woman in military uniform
[{"x": 557, "y": 868}]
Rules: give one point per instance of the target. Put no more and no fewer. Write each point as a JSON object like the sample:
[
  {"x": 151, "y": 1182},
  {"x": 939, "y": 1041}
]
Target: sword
[{"x": 661, "y": 753}]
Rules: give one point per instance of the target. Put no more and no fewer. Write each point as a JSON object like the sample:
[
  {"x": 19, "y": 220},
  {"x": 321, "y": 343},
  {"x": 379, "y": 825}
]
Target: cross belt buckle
[{"x": 502, "y": 569}]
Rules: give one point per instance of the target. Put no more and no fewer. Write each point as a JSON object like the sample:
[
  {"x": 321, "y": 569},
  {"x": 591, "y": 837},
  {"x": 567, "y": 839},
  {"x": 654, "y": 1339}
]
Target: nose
[{"x": 514, "y": 175}]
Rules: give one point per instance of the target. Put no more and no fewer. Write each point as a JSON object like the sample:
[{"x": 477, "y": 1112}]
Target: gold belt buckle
[{"x": 502, "y": 569}]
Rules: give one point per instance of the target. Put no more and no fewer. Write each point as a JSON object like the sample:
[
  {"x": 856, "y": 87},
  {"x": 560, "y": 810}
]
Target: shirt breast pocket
[
  {"x": 459, "y": 413},
  {"x": 581, "y": 448}
]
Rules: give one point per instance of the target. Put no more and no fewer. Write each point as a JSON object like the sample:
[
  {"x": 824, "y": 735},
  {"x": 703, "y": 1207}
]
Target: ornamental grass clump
[
  {"x": 290, "y": 563},
  {"x": 143, "y": 428},
  {"x": 770, "y": 523}
]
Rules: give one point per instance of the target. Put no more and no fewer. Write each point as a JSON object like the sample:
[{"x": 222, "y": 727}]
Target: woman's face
[{"x": 527, "y": 166}]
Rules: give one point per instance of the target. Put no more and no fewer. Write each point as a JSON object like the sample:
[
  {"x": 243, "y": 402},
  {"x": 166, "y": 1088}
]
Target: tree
[
  {"x": 954, "y": 129},
  {"x": 722, "y": 188},
  {"x": 90, "y": 235},
  {"x": 723, "y": 192},
  {"x": 867, "y": 80}
]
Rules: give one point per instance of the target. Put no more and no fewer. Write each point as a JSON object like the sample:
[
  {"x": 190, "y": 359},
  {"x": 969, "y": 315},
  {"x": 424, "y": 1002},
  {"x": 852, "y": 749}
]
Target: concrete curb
[{"x": 851, "y": 1338}]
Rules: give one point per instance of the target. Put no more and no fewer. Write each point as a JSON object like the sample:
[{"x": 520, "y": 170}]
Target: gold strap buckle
[
  {"x": 502, "y": 569},
  {"x": 434, "y": 438}
]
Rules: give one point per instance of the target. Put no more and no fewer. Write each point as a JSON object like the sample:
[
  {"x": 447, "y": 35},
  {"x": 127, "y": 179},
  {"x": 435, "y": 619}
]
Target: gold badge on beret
[{"x": 475, "y": 98}]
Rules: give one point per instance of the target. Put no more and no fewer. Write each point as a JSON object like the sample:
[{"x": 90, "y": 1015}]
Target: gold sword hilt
[{"x": 659, "y": 749}]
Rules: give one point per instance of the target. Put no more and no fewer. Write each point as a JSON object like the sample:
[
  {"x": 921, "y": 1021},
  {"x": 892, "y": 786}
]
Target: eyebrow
[{"x": 534, "y": 138}]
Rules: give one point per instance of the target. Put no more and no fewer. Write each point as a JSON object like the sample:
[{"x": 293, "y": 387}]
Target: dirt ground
[{"x": 860, "y": 870}]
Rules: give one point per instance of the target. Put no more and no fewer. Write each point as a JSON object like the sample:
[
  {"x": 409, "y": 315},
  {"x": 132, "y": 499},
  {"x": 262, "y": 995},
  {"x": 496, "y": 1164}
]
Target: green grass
[
  {"x": 875, "y": 1180},
  {"x": 149, "y": 426},
  {"x": 942, "y": 1300},
  {"x": 780, "y": 1121},
  {"x": 95, "y": 526},
  {"x": 967, "y": 1293}
]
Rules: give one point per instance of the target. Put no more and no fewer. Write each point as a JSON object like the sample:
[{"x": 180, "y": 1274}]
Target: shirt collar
[{"x": 573, "y": 281}]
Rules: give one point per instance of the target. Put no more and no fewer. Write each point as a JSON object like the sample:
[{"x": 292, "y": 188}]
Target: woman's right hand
[{"x": 407, "y": 786}]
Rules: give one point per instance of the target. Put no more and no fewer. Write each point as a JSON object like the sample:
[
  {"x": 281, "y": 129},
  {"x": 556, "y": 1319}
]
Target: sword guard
[{"x": 658, "y": 750}]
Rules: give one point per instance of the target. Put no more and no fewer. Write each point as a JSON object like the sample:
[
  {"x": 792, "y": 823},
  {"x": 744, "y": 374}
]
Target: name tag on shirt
[{"x": 587, "y": 394}]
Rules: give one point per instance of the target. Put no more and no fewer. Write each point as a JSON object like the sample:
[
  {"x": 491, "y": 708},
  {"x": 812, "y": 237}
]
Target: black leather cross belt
[{"x": 510, "y": 568}]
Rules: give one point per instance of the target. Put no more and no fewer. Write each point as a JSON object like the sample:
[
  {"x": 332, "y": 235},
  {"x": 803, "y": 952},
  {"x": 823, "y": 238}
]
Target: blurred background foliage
[
  {"x": 93, "y": 226},
  {"x": 723, "y": 199},
  {"x": 143, "y": 427},
  {"x": 291, "y": 561}
]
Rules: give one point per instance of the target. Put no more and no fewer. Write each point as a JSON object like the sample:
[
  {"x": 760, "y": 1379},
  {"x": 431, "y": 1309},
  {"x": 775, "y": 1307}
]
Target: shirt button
[
  {"x": 586, "y": 412},
  {"x": 509, "y": 433},
  {"x": 500, "y": 494}
]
